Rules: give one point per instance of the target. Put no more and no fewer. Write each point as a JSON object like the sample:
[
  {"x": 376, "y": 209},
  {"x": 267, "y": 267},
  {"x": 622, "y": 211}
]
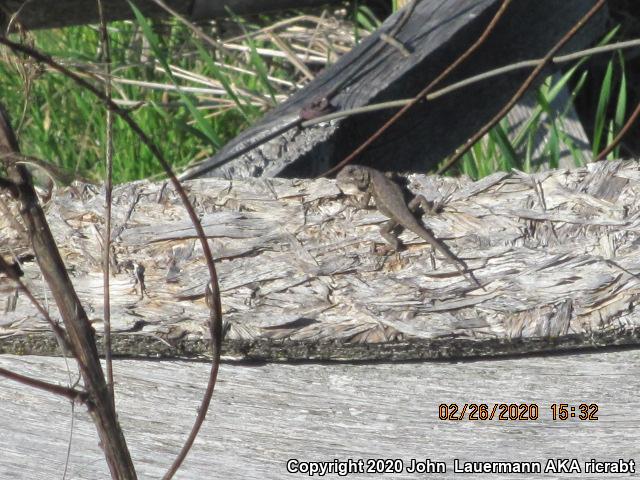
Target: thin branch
[
  {"x": 212, "y": 299},
  {"x": 533, "y": 63},
  {"x": 70, "y": 441},
  {"x": 58, "y": 332},
  {"x": 523, "y": 88},
  {"x": 80, "y": 332},
  {"x": 54, "y": 172},
  {"x": 472, "y": 80},
  {"x": 70, "y": 393},
  {"x": 490, "y": 27},
  {"x": 625, "y": 129},
  {"x": 108, "y": 192},
  {"x": 215, "y": 315}
]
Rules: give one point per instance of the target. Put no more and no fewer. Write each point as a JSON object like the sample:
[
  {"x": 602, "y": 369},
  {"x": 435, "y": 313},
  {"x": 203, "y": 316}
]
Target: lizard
[{"x": 366, "y": 182}]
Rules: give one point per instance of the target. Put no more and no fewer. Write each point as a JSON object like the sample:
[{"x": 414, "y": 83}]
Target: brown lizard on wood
[{"x": 358, "y": 180}]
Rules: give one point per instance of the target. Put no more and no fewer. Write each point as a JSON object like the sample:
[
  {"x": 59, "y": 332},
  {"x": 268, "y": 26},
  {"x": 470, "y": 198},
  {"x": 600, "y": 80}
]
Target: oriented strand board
[{"x": 304, "y": 275}]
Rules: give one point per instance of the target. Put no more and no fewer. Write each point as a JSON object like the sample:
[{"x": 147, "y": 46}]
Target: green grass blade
[
  {"x": 621, "y": 103},
  {"x": 366, "y": 19},
  {"x": 160, "y": 54},
  {"x": 256, "y": 60},
  {"x": 601, "y": 109},
  {"x": 621, "y": 106},
  {"x": 504, "y": 148},
  {"x": 553, "y": 146},
  {"x": 223, "y": 79}
]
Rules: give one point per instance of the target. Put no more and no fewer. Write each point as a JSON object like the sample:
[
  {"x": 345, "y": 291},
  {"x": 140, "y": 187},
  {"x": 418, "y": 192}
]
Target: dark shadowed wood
[
  {"x": 61, "y": 13},
  {"x": 435, "y": 33},
  {"x": 305, "y": 276},
  {"x": 263, "y": 416}
]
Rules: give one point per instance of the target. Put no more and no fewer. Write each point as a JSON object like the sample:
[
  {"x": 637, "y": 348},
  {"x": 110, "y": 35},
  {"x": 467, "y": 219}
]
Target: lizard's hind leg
[{"x": 425, "y": 205}]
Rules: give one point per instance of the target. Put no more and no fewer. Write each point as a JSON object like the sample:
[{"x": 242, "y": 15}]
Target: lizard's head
[{"x": 353, "y": 179}]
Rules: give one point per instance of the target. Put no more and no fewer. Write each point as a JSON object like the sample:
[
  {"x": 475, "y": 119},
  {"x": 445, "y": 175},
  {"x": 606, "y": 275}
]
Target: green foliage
[
  {"x": 608, "y": 124},
  {"x": 363, "y": 19},
  {"x": 499, "y": 151},
  {"x": 160, "y": 51},
  {"x": 191, "y": 99},
  {"x": 63, "y": 124}
]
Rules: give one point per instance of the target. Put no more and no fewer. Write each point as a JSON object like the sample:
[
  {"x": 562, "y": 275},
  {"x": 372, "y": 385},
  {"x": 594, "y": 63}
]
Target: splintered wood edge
[
  {"x": 148, "y": 346},
  {"x": 374, "y": 313}
]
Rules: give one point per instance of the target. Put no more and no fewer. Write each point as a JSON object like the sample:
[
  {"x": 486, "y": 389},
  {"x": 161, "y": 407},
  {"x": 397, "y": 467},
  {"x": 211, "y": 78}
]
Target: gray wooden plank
[
  {"x": 435, "y": 33},
  {"x": 264, "y": 415}
]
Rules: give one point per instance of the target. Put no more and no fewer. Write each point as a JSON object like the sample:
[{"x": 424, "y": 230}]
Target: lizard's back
[{"x": 390, "y": 201}]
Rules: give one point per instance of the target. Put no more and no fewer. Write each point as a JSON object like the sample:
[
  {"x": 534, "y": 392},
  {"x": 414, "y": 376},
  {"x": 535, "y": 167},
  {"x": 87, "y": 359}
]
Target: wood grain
[
  {"x": 435, "y": 33},
  {"x": 305, "y": 276},
  {"x": 263, "y": 416}
]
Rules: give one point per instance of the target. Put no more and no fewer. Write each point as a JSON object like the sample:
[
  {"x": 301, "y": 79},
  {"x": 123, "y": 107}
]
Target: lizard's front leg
[
  {"x": 386, "y": 230},
  {"x": 362, "y": 202}
]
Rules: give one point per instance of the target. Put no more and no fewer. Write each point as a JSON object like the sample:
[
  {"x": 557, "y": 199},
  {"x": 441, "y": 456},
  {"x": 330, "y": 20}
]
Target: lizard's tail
[{"x": 468, "y": 274}]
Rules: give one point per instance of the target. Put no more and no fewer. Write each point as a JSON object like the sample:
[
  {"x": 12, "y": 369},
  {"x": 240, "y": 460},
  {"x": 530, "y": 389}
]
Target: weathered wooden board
[
  {"x": 305, "y": 276},
  {"x": 262, "y": 416},
  {"x": 35, "y": 14},
  {"x": 435, "y": 33}
]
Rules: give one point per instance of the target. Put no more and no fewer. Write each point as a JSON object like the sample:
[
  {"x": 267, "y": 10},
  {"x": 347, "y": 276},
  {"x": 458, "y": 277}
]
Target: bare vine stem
[
  {"x": 215, "y": 313},
  {"x": 444, "y": 74},
  {"x": 108, "y": 192},
  {"x": 623, "y": 131},
  {"x": 523, "y": 88},
  {"x": 70, "y": 393},
  {"x": 472, "y": 80}
]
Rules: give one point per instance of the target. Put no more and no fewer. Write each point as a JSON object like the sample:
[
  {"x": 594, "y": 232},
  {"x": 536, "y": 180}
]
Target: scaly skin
[{"x": 390, "y": 201}]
